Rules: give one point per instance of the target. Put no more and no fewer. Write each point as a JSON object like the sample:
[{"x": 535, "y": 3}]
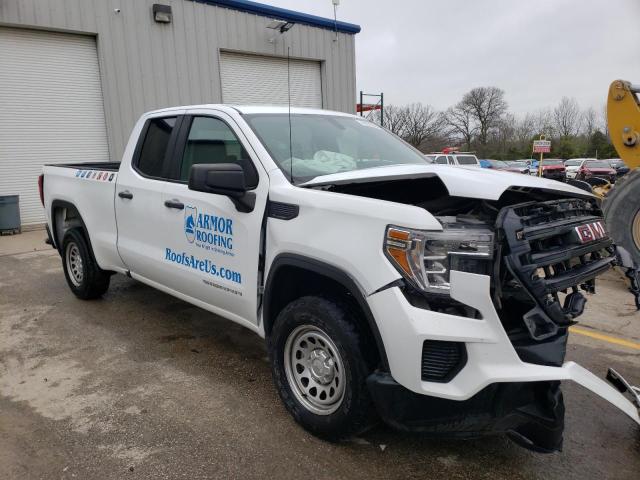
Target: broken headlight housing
[{"x": 425, "y": 258}]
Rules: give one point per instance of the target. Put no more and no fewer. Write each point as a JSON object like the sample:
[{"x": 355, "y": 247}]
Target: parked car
[
  {"x": 484, "y": 163},
  {"x": 496, "y": 164},
  {"x": 519, "y": 166},
  {"x": 507, "y": 166},
  {"x": 619, "y": 166},
  {"x": 596, "y": 168},
  {"x": 552, "y": 168},
  {"x": 409, "y": 289},
  {"x": 572, "y": 166},
  {"x": 466, "y": 159}
]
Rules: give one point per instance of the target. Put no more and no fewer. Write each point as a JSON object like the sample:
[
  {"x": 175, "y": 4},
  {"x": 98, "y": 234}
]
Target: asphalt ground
[{"x": 142, "y": 385}]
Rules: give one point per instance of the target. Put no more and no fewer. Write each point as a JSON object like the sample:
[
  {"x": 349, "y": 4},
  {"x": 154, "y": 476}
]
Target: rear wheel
[
  {"x": 318, "y": 363},
  {"x": 622, "y": 213},
  {"x": 84, "y": 277}
]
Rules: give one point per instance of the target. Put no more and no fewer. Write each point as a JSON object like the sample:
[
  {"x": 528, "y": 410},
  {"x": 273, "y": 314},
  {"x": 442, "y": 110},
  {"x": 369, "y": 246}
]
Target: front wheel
[
  {"x": 318, "y": 361},
  {"x": 84, "y": 277}
]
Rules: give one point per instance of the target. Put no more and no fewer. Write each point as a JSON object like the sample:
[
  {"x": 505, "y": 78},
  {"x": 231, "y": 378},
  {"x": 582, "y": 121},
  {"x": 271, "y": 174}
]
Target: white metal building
[{"x": 76, "y": 74}]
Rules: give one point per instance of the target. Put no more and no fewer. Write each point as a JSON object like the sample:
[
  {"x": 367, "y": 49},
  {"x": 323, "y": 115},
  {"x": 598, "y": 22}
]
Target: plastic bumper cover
[{"x": 491, "y": 358}]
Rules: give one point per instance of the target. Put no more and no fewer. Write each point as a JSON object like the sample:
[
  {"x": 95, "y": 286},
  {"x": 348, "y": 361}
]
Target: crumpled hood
[{"x": 460, "y": 181}]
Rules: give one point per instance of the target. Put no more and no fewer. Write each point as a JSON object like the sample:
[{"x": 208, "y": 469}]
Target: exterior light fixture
[
  {"x": 162, "y": 13},
  {"x": 280, "y": 25}
]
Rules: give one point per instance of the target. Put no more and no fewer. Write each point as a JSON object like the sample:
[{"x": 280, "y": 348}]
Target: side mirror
[{"x": 223, "y": 179}]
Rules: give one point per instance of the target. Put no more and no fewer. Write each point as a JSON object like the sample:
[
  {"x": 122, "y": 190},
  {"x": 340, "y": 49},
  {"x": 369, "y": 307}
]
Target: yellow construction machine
[{"x": 621, "y": 203}]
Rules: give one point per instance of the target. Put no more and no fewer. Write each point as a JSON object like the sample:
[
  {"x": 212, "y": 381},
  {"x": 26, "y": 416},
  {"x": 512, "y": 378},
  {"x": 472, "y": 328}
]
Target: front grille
[
  {"x": 548, "y": 257},
  {"x": 441, "y": 361}
]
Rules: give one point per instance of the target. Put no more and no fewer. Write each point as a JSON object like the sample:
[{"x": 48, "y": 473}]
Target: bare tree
[
  {"x": 420, "y": 123},
  {"x": 487, "y": 105},
  {"x": 525, "y": 129},
  {"x": 589, "y": 121},
  {"x": 459, "y": 119},
  {"x": 544, "y": 124},
  {"x": 504, "y": 132},
  {"x": 566, "y": 117},
  {"x": 394, "y": 119}
]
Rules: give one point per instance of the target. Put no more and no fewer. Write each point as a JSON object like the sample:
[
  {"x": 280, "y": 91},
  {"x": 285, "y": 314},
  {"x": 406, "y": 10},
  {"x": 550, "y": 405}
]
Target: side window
[
  {"x": 441, "y": 160},
  {"x": 154, "y": 146},
  {"x": 211, "y": 140}
]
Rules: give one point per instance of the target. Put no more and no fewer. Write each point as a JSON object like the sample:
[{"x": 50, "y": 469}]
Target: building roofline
[{"x": 284, "y": 14}]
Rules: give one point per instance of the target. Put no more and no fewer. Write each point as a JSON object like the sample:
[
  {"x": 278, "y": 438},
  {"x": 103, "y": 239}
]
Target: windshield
[
  {"x": 467, "y": 160},
  {"x": 552, "y": 161},
  {"x": 597, "y": 164},
  {"x": 518, "y": 164},
  {"x": 326, "y": 144}
]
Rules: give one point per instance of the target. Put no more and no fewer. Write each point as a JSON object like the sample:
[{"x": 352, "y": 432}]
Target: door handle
[
  {"x": 125, "y": 194},
  {"x": 177, "y": 204}
]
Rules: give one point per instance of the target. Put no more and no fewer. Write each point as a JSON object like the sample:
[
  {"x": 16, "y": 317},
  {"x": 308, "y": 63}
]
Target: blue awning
[{"x": 284, "y": 14}]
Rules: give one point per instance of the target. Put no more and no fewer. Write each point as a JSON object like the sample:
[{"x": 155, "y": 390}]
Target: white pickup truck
[{"x": 437, "y": 297}]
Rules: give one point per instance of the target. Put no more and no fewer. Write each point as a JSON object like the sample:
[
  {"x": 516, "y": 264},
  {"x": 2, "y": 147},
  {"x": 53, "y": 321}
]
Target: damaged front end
[
  {"x": 477, "y": 338},
  {"x": 550, "y": 253}
]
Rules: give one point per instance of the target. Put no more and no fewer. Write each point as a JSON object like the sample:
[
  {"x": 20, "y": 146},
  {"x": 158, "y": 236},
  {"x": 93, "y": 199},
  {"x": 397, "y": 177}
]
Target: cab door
[
  {"x": 211, "y": 247},
  {"x": 138, "y": 198}
]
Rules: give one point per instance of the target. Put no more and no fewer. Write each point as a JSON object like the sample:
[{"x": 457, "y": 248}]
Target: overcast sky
[{"x": 537, "y": 51}]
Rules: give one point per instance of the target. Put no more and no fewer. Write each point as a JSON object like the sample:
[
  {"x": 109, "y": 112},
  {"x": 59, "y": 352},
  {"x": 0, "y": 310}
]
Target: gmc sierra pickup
[{"x": 435, "y": 297}]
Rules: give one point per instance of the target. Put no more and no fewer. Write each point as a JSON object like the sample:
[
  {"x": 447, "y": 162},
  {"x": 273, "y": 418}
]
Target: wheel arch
[
  {"x": 64, "y": 216},
  {"x": 284, "y": 285}
]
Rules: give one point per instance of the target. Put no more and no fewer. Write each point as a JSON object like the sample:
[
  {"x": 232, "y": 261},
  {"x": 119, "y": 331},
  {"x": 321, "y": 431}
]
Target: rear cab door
[
  {"x": 210, "y": 250},
  {"x": 138, "y": 195}
]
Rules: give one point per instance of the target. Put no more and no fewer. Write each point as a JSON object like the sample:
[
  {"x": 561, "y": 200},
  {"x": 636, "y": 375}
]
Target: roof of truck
[{"x": 253, "y": 109}]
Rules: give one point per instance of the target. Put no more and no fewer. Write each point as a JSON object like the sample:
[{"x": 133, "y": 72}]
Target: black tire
[
  {"x": 620, "y": 207},
  {"x": 338, "y": 321},
  {"x": 92, "y": 282}
]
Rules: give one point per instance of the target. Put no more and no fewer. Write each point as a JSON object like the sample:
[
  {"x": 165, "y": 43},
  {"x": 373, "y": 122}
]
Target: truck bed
[
  {"x": 108, "y": 166},
  {"x": 90, "y": 189}
]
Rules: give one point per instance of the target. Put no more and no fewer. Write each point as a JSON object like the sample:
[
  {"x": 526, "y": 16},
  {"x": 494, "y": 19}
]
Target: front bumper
[
  {"x": 532, "y": 414},
  {"x": 491, "y": 357}
]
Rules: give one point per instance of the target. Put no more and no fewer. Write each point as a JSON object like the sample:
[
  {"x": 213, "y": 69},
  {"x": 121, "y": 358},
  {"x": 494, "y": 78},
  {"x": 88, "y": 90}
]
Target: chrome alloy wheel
[
  {"x": 74, "y": 264},
  {"x": 314, "y": 369}
]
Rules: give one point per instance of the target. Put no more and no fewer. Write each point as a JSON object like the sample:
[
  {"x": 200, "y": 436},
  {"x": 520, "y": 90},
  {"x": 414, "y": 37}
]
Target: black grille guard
[{"x": 544, "y": 253}]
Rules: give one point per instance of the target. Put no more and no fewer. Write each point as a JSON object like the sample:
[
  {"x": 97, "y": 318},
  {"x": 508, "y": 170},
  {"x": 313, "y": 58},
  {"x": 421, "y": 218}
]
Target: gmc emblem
[{"x": 591, "y": 232}]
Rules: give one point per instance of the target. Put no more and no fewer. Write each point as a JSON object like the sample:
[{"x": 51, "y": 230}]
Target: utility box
[{"x": 9, "y": 214}]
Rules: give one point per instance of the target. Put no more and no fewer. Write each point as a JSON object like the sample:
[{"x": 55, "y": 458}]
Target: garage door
[
  {"x": 50, "y": 110},
  {"x": 259, "y": 80}
]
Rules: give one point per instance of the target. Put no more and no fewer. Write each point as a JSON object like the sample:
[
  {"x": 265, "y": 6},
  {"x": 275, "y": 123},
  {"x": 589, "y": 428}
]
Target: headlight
[{"x": 425, "y": 258}]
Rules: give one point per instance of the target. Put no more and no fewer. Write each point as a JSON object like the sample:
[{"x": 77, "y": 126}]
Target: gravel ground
[{"x": 142, "y": 385}]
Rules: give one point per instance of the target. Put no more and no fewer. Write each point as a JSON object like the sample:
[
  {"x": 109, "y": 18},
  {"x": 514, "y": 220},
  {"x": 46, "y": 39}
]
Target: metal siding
[
  {"x": 51, "y": 111},
  {"x": 145, "y": 65}
]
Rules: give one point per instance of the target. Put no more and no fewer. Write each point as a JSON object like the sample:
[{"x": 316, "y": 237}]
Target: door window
[
  {"x": 211, "y": 140},
  {"x": 154, "y": 147},
  {"x": 441, "y": 160}
]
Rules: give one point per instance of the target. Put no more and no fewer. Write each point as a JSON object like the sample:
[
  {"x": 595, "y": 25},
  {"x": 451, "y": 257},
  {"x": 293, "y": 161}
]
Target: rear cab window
[
  {"x": 467, "y": 160},
  {"x": 154, "y": 148}
]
